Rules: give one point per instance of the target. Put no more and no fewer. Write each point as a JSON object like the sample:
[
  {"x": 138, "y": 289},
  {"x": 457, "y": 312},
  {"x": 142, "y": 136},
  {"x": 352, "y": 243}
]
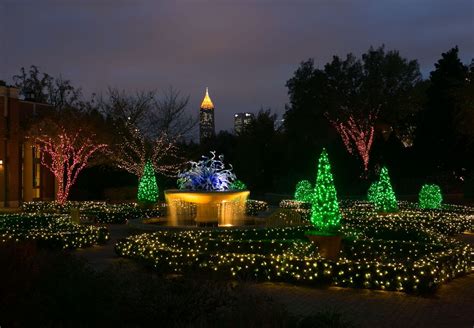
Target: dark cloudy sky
[{"x": 243, "y": 50}]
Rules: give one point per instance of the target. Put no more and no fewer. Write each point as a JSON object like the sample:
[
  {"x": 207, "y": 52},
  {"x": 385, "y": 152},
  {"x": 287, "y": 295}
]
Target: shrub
[
  {"x": 430, "y": 197},
  {"x": 304, "y": 191},
  {"x": 238, "y": 185},
  {"x": 253, "y": 207},
  {"x": 382, "y": 194},
  {"x": 50, "y": 230}
]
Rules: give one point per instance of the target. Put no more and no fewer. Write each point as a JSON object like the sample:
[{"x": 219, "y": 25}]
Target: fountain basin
[{"x": 221, "y": 208}]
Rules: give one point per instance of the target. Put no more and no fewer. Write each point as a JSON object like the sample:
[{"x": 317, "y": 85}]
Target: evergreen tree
[
  {"x": 384, "y": 198},
  {"x": 147, "y": 188},
  {"x": 304, "y": 191},
  {"x": 438, "y": 140},
  {"x": 325, "y": 210}
]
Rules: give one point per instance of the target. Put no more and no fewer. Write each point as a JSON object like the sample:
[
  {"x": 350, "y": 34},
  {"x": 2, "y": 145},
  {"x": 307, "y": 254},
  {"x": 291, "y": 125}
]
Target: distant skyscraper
[
  {"x": 206, "y": 118},
  {"x": 242, "y": 121}
]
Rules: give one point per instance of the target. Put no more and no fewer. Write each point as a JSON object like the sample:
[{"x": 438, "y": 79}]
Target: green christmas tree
[
  {"x": 384, "y": 198},
  {"x": 372, "y": 192},
  {"x": 147, "y": 188},
  {"x": 325, "y": 210},
  {"x": 430, "y": 197},
  {"x": 304, "y": 191}
]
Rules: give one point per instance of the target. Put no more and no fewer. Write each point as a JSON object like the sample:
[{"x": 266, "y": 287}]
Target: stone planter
[{"x": 329, "y": 246}]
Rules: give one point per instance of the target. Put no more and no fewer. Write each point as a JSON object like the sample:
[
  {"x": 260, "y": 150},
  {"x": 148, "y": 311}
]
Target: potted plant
[{"x": 326, "y": 215}]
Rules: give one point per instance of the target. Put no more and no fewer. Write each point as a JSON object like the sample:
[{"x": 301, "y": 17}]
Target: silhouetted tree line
[
  {"x": 422, "y": 129},
  {"x": 369, "y": 111}
]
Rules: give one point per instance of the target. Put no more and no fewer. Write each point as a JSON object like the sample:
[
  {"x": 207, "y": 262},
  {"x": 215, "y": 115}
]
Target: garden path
[{"x": 101, "y": 256}]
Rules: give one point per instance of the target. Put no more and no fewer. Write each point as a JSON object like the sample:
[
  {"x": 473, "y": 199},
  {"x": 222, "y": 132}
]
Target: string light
[
  {"x": 238, "y": 185},
  {"x": 430, "y": 196},
  {"x": 131, "y": 153},
  {"x": 304, "y": 191},
  {"x": 99, "y": 212},
  {"x": 382, "y": 194},
  {"x": 325, "y": 215},
  {"x": 420, "y": 259},
  {"x": 147, "y": 188},
  {"x": 68, "y": 154},
  {"x": 50, "y": 230},
  {"x": 359, "y": 132}
]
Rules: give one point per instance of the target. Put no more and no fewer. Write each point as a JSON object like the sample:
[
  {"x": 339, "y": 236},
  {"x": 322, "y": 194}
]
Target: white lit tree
[{"x": 133, "y": 151}]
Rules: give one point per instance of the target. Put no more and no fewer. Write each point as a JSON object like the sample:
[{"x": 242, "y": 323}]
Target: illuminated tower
[{"x": 206, "y": 118}]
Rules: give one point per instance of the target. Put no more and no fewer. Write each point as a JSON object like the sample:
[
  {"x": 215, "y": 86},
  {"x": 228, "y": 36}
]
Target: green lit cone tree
[
  {"x": 384, "y": 197},
  {"x": 372, "y": 192},
  {"x": 326, "y": 215},
  {"x": 147, "y": 187}
]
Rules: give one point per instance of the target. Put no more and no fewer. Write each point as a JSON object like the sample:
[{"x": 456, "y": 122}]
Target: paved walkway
[
  {"x": 452, "y": 306},
  {"x": 99, "y": 257}
]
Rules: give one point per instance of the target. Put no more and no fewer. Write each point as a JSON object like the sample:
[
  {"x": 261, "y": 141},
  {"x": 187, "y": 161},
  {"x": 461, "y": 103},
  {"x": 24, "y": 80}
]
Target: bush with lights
[
  {"x": 254, "y": 207},
  {"x": 302, "y": 208},
  {"x": 238, "y": 185},
  {"x": 384, "y": 255},
  {"x": 304, "y": 191},
  {"x": 50, "y": 230},
  {"x": 99, "y": 212},
  {"x": 381, "y": 194},
  {"x": 430, "y": 197}
]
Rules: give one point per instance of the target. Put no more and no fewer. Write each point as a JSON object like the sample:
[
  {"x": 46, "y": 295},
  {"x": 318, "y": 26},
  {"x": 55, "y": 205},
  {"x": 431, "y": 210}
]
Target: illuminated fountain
[{"x": 208, "y": 194}]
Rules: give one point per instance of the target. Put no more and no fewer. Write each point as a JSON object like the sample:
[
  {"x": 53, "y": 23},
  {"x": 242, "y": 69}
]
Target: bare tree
[
  {"x": 43, "y": 88},
  {"x": 169, "y": 115},
  {"x": 134, "y": 150},
  {"x": 122, "y": 108},
  {"x": 145, "y": 126}
]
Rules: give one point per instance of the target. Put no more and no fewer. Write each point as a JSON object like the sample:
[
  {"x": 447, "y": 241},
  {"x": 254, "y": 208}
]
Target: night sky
[{"x": 243, "y": 50}]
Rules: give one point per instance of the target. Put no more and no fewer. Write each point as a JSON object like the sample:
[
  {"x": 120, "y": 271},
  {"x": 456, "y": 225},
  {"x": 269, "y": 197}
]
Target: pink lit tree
[
  {"x": 357, "y": 93},
  {"x": 357, "y": 135},
  {"x": 66, "y": 155}
]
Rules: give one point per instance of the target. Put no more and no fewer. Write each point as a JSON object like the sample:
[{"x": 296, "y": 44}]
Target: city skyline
[{"x": 244, "y": 54}]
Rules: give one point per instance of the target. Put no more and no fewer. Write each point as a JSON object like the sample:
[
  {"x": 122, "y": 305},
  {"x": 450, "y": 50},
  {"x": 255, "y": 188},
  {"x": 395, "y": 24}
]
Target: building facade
[
  {"x": 207, "y": 128},
  {"x": 242, "y": 121},
  {"x": 22, "y": 177}
]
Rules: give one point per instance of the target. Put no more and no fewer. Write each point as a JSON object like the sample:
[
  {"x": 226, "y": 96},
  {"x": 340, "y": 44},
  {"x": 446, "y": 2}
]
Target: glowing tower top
[
  {"x": 207, "y": 102},
  {"x": 206, "y": 119}
]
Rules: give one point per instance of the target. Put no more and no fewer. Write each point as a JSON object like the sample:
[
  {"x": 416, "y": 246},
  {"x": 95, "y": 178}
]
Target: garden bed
[
  {"x": 50, "y": 230},
  {"x": 410, "y": 251}
]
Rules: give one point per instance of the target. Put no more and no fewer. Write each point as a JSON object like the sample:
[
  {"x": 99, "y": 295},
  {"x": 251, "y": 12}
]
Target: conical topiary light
[
  {"x": 385, "y": 200},
  {"x": 325, "y": 210},
  {"x": 147, "y": 188}
]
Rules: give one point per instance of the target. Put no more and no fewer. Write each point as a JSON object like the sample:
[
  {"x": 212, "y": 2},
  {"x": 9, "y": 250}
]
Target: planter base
[{"x": 328, "y": 246}]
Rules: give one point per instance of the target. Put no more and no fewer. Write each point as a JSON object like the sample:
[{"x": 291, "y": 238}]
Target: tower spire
[{"x": 207, "y": 102}]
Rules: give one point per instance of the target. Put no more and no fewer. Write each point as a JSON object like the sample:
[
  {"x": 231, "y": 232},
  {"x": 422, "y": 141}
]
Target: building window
[{"x": 36, "y": 167}]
